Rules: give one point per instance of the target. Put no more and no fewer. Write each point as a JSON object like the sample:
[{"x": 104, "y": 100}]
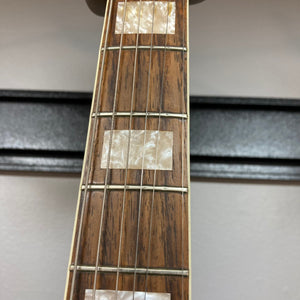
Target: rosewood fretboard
[{"x": 132, "y": 226}]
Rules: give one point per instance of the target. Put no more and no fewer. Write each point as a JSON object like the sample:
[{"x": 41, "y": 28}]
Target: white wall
[
  {"x": 48, "y": 45},
  {"x": 246, "y": 48},
  {"x": 245, "y": 241},
  {"x": 36, "y": 223},
  {"x": 245, "y": 236}
]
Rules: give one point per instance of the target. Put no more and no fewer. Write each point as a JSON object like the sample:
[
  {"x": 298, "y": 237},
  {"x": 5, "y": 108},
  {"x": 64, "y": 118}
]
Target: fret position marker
[
  {"x": 150, "y": 149},
  {"x": 164, "y": 15},
  {"x": 124, "y": 295}
]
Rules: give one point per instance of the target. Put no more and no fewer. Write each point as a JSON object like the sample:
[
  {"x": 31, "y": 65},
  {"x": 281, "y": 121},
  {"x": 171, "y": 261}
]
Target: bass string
[
  {"x": 109, "y": 153},
  {"x": 156, "y": 150},
  {"x": 184, "y": 94},
  {"x": 128, "y": 147},
  {"x": 182, "y": 174},
  {"x": 144, "y": 142},
  {"x": 87, "y": 170}
]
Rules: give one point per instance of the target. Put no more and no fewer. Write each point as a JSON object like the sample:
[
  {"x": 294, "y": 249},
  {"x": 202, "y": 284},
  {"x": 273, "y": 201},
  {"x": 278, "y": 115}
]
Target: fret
[
  {"x": 97, "y": 187},
  {"x": 140, "y": 114},
  {"x": 176, "y": 286},
  {"x": 150, "y": 271},
  {"x": 149, "y": 150},
  {"x": 140, "y": 47},
  {"x": 173, "y": 98},
  {"x": 166, "y": 251},
  {"x": 171, "y": 177},
  {"x": 174, "y": 36}
]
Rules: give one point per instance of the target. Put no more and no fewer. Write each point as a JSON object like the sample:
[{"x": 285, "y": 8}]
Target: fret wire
[
  {"x": 151, "y": 271},
  {"x": 140, "y": 114},
  {"x": 169, "y": 48},
  {"x": 160, "y": 188}
]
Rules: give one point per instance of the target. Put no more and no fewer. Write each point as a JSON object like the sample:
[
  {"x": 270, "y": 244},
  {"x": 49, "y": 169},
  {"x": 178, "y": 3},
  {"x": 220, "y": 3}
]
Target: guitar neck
[{"x": 131, "y": 233}]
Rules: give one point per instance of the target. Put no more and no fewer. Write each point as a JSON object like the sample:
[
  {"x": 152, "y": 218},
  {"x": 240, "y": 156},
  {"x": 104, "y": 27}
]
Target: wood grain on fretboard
[{"x": 169, "y": 244}]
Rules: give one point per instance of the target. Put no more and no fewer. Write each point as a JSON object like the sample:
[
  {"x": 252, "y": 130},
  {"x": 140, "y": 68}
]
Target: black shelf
[{"x": 231, "y": 137}]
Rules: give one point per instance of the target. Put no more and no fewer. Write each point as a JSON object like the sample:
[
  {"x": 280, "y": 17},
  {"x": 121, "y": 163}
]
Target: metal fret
[
  {"x": 169, "y": 48},
  {"x": 150, "y": 271},
  {"x": 140, "y": 114},
  {"x": 136, "y": 187}
]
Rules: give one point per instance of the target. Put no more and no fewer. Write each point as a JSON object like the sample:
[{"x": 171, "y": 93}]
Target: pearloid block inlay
[
  {"x": 150, "y": 149},
  {"x": 164, "y": 15},
  {"x": 124, "y": 295}
]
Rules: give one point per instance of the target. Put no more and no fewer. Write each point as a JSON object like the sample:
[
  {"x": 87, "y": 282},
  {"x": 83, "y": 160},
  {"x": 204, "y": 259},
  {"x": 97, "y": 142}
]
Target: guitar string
[
  {"x": 128, "y": 147},
  {"x": 109, "y": 153},
  {"x": 87, "y": 169},
  {"x": 150, "y": 226},
  {"x": 156, "y": 150},
  {"x": 144, "y": 142},
  {"x": 182, "y": 144}
]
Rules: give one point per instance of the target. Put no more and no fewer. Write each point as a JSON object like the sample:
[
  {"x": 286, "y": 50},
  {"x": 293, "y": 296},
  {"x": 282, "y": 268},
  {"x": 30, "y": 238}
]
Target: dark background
[{"x": 249, "y": 138}]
